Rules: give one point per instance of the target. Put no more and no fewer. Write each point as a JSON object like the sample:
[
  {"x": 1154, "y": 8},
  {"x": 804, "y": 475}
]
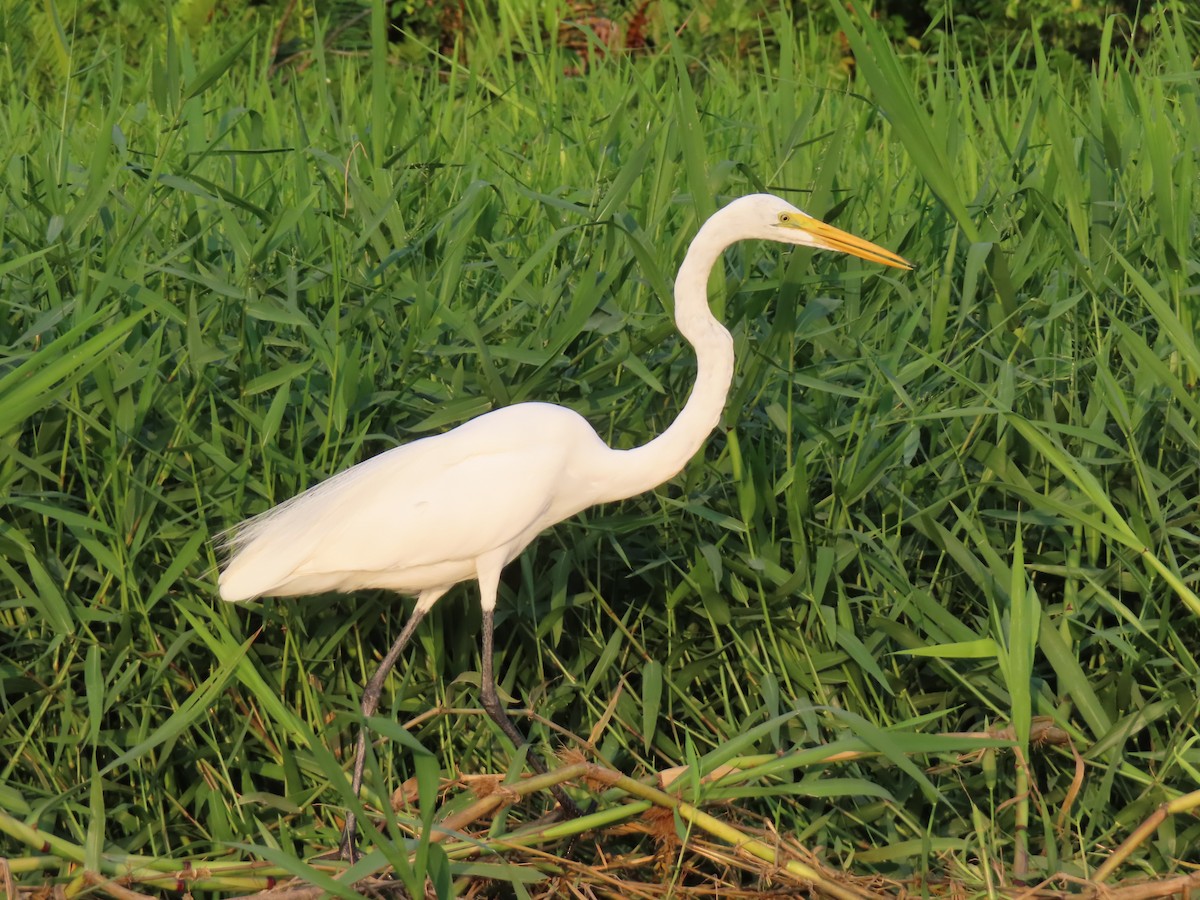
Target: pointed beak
[{"x": 826, "y": 237}]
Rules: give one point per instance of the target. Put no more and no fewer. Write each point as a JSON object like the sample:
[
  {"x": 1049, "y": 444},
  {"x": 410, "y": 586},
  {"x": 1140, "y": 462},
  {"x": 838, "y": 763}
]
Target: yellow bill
[{"x": 829, "y": 238}]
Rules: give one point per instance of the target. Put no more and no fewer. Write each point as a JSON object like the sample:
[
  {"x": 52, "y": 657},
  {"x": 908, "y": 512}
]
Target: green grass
[{"x": 941, "y": 502}]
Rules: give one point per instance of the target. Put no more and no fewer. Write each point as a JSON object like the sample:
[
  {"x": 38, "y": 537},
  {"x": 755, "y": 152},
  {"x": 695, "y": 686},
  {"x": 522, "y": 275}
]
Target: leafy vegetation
[
  {"x": 930, "y": 591},
  {"x": 1071, "y": 28}
]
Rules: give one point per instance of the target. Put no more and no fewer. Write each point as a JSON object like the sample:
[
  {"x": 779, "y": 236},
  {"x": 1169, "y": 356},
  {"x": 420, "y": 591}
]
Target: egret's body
[
  {"x": 419, "y": 517},
  {"x": 458, "y": 506}
]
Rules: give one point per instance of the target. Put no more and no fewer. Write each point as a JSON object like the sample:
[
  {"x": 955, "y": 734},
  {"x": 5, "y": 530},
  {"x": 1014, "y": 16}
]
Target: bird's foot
[{"x": 567, "y": 808}]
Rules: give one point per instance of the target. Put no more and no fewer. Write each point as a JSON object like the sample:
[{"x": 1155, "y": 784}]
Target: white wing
[{"x": 420, "y": 515}]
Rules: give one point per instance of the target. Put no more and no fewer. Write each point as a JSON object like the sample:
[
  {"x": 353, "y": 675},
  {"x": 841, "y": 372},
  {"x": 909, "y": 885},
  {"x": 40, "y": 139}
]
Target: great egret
[{"x": 424, "y": 516}]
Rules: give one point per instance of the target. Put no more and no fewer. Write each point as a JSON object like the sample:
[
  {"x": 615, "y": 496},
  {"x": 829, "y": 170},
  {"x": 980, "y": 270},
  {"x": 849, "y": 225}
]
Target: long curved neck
[{"x": 648, "y": 466}]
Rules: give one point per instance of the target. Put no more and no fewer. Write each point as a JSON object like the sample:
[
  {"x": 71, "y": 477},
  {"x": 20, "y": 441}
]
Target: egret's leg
[
  {"x": 370, "y": 701},
  {"x": 491, "y": 702}
]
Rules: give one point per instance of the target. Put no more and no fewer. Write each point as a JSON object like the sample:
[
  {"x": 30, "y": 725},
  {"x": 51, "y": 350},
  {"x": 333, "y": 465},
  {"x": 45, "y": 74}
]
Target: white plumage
[{"x": 419, "y": 516}]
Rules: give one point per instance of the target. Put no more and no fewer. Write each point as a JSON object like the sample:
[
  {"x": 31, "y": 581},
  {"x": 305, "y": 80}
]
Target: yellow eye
[{"x": 785, "y": 218}]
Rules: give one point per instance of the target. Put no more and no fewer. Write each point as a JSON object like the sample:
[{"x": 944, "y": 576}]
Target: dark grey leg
[
  {"x": 370, "y": 701},
  {"x": 491, "y": 702}
]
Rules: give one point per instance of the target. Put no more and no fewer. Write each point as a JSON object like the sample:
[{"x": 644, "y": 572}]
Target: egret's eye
[{"x": 785, "y": 218}]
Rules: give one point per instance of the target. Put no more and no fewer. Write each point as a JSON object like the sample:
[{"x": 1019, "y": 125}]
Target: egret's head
[{"x": 771, "y": 218}]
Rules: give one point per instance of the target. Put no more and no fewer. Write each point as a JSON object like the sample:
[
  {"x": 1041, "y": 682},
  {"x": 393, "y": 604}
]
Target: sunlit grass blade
[
  {"x": 1117, "y": 526},
  {"x": 64, "y": 362},
  {"x": 892, "y": 88}
]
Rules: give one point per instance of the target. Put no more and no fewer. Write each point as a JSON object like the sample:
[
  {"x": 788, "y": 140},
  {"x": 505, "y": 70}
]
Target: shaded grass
[{"x": 939, "y": 503}]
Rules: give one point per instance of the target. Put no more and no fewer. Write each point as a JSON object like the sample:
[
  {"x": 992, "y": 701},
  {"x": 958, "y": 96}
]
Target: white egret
[{"x": 424, "y": 516}]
